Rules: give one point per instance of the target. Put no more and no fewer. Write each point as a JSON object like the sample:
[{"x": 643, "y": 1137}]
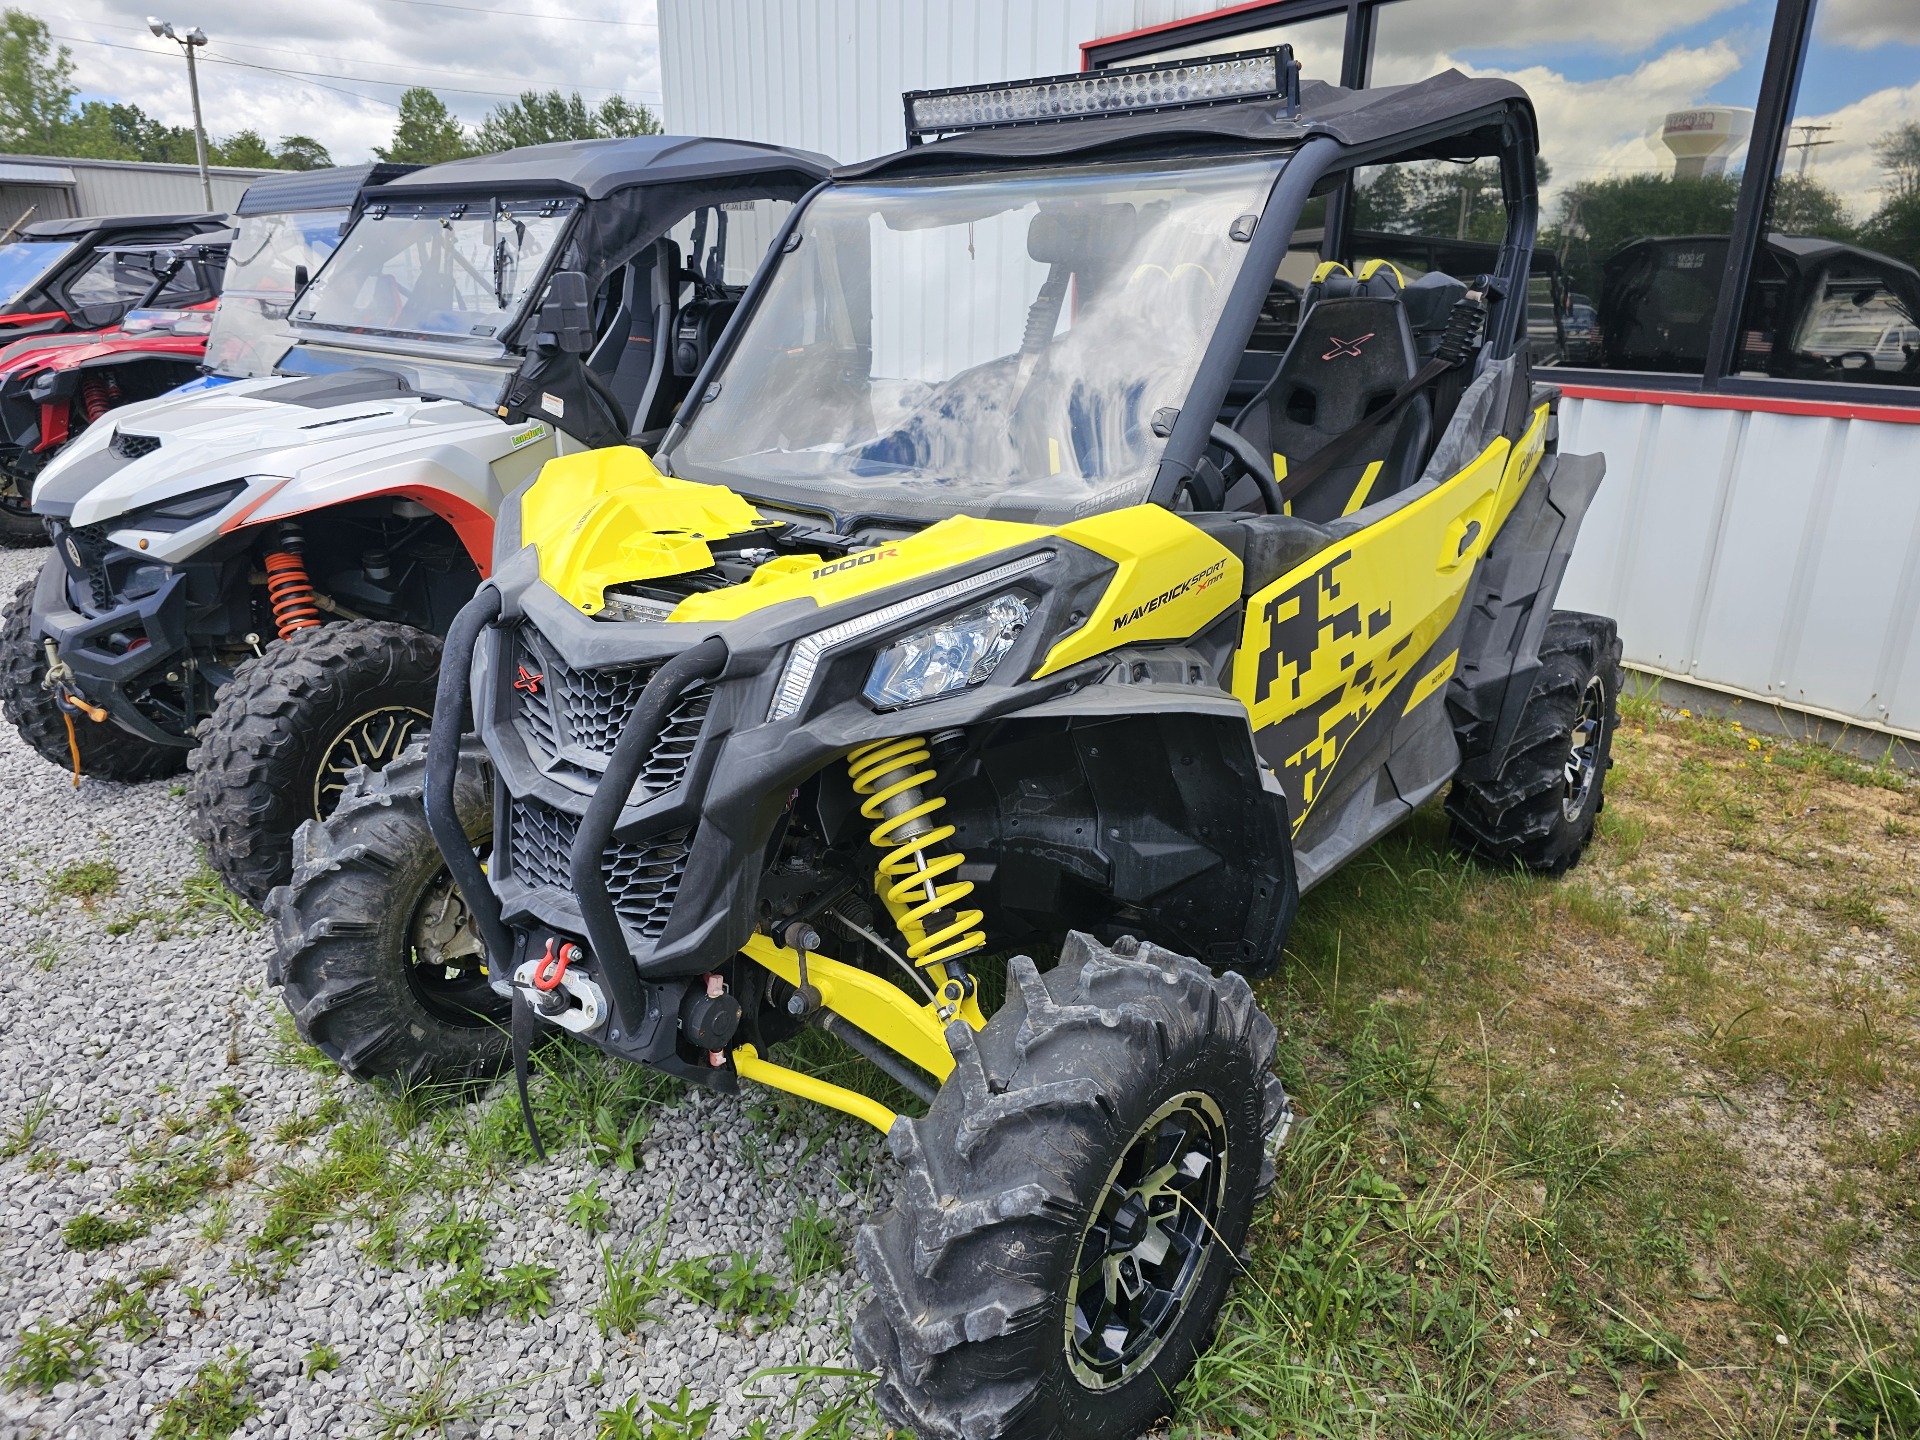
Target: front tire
[
  {"x": 375, "y": 953},
  {"x": 20, "y": 528},
  {"x": 1073, "y": 1201},
  {"x": 290, "y": 727},
  {"x": 107, "y": 752},
  {"x": 1539, "y": 810}
]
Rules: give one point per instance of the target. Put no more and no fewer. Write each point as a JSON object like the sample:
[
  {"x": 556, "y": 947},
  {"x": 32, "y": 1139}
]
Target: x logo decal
[{"x": 1346, "y": 347}]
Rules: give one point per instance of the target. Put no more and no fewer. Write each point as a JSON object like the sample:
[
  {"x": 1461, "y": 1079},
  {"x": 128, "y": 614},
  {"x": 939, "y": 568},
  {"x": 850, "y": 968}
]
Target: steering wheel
[
  {"x": 1255, "y": 465},
  {"x": 1863, "y": 356}
]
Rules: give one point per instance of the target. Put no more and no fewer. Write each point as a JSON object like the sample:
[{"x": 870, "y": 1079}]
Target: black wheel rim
[
  {"x": 446, "y": 959},
  {"x": 1147, "y": 1242},
  {"x": 372, "y": 740},
  {"x": 1583, "y": 753}
]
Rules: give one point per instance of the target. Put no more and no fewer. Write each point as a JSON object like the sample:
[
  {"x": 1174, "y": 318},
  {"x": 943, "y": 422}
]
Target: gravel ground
[{"x": 118, "y": 1032}]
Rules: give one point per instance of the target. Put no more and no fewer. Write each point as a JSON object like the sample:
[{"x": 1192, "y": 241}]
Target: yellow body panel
[
  {"x": 1320, "y": 653},
  {"x": 606, "y": 517},
  {"x": 1173, "y": 581}
]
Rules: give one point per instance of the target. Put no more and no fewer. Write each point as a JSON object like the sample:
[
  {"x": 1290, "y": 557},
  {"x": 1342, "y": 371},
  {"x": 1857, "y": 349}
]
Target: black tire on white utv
[
  {"x": 969, "y": 1324},
  {"x": 346, "y": 932},
  {"x": 257, "y": 771},
  {"x": 1539, "y": 811},
  {"x": 107, "y": 752},
  {"x": 20, "y": 528}
]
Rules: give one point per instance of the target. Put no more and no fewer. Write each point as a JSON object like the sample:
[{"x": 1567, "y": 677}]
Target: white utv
[{"x": 264, "y": 570}]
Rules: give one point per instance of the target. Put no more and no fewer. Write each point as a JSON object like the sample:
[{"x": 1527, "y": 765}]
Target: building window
[
  {"x": 1834, "y": 293},
  {"x": 1644, "y": 114}
]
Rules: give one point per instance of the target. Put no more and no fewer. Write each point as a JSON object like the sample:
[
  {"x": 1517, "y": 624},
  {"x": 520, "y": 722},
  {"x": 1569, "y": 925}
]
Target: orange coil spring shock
[
  {"x": 291, "y": 594},
  {"x": 96, "y": 396},
  {"x": 911, "y": 876}
]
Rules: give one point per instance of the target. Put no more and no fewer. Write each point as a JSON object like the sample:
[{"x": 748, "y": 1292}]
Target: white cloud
[
  {"x": 1625, "y": 27},
  {"x": 451, "y": 50},
  {"x": 1847, "y": 165},
  {"x": 1862, "y": 24}
]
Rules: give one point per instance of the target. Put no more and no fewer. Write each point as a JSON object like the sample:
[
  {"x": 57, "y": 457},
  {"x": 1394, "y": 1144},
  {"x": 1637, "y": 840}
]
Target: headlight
[
  {"x": 797, "y": 678},
  {"x": 959, "y": 652}
]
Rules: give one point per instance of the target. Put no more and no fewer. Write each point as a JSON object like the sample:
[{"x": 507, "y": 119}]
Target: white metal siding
[
  {"x": 827, "y": 75},
  {"x": 1774, "y": 555},
  {"x": 155, "y": 190}
]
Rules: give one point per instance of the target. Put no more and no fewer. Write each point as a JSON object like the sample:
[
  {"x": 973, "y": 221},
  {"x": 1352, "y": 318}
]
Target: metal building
[
  {"x": 55, "y": 187},
  {"x": 1759, "y": 533}
]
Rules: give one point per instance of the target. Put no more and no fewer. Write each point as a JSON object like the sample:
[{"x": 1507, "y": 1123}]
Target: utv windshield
[
  {"x": 250, "y": 328},
  {"x": 447, "y": 272},
  {"x": 22, "y": 262},
  {"x": 995, "y": 345}
]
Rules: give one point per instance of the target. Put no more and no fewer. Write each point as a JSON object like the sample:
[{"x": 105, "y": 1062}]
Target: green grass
[
  {"x": 632, "y": 1285},
  {"x": 20, "y": 1139},
  {"x": 319, "y": 1360},
  {"x": 214, "y": 1404},
  {"x": 812, "y": 1243},
  {"x": 205, "y": 895},
  {"x": 87, "y": 881},
  {"x": 46, "y": 1354},
  {"x": 90, "y": 1230}
]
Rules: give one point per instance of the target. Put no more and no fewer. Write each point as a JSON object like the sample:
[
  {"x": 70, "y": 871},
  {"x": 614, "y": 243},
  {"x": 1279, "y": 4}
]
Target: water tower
[{"x": 1705, "y": 139}]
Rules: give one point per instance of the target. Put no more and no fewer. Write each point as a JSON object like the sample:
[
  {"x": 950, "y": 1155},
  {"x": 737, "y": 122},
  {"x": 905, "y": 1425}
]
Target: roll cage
[{"x": 1328, "y": 135}]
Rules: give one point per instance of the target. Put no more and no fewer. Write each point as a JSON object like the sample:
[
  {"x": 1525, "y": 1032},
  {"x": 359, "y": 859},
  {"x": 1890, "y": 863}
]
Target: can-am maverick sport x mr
[
  {"x": 1004, "y": 584},
  {"x": 278, "y": 556}
]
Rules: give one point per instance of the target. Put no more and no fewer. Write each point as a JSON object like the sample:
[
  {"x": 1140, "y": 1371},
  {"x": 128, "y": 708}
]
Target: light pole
[{"x": 163, "y": 29}]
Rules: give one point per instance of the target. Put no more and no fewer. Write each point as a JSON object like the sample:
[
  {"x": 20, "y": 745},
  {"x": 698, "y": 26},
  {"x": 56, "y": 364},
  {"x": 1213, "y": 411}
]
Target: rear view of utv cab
[
  {"x": 265, "y": 568},
  {"x": 1030, "y": 569}
]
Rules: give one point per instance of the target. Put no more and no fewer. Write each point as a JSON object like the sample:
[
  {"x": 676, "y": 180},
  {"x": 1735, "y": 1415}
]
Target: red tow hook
[{"x": 552, "y": 966}]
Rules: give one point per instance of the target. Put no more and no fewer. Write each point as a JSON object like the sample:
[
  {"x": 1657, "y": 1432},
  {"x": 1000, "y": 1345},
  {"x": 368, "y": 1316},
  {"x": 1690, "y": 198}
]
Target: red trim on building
[
  {"x": 1896, "y": 415},
  {"x": 1088, "y": 45}
]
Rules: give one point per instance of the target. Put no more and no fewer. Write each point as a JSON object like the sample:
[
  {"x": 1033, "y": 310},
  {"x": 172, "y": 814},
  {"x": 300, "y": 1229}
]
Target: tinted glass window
[
  {"x": 1317, "y": 44},
  {"x": 1835, "y": 292},
  {"x": 1645, "y": 108},
  {"x": 23, "y": 262}
]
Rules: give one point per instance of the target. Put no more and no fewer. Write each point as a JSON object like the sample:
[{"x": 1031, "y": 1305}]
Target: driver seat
[{"x": 1354, "y": 349}]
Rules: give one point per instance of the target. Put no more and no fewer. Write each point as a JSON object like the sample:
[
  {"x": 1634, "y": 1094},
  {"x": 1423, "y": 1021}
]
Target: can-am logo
[
  {"x": 852, "y": 562},
  {"x": 1192, "y": 585}
]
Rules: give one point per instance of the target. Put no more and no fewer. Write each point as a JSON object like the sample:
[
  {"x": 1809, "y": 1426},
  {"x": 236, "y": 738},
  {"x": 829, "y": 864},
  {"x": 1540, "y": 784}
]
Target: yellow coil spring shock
[{"x": 890, "y": 774}]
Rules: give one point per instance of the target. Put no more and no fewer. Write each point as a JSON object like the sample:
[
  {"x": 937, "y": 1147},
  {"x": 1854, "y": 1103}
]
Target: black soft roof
[
  {"x": 77, "y": 226},
  {"x": 597, "y": 168},
  {"x": 1416, "y": 116},
  {"x": 334, "y": 188}
]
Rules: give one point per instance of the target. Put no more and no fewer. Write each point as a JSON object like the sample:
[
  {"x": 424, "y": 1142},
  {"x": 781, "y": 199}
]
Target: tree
[
  {"x": 36, "y": 85},
  {"x": 1600, "y": 216},
  {"x": 427, "y": 133},
  {"x": 302, "y": 152},
  {"x": 247, "y": 150},
  {"x": 109, "y": 130},
  {"x": 536, "y": 119},
  {"x": 1898, "y": 152},
  {"x": 1801, "y": 205}
]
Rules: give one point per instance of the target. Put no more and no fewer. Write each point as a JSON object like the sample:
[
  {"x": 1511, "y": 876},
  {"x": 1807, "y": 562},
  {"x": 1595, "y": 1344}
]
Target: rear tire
[
  {"x": 107, "y": 752},
  {"x": 1026, "y": 1191},
  {"x": 365, "y": 935},
  {"x": 1538, "y": 812},
  {"x": 287, "y": 730}
]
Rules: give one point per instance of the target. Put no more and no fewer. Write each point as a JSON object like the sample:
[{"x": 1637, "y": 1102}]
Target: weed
[
  {"x": 525, "y": 1288},
  {"x": 434, "y": 1403},
  {"x": 47, "y": 1354},
  {"x": 305, "y": 1126},
  {"x": 678, "y": 1420},
  {"x": 451, "y": 1240},
  {"x": 116, "y": 1303},
  {"x": 196, "y": 1298},
  {"x": 44, "y": 952},
  {"x": 92, "y": 1231},
  {"x": 84, "y": 880},
  {"x": 219, "y": 1220},
  {"x": 629, "y": 1290},
  {"x": 469, "y": 1292},
  {"x": 812, "y": 1244},
  {"x": 21, "y": 1137},
  {"x": 733, "y": 1284},
  {"x": 205, "y": 893},
  {"x": 319, "y": 1359},
  {"x": 214, "y": 1404},
  {"x": 586, "y": 1209}
]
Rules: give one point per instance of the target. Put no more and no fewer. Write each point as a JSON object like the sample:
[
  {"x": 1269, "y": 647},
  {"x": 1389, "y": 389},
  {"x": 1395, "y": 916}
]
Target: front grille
[
  {"x": 641, "y": 880},
  {"x": 83, "y": 550},
  {"x": 562, "y": 709},
  {"x": 131, "y": 447}
]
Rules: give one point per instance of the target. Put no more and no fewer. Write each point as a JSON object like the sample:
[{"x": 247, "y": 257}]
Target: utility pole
[
  {"x": 189, "y": 42},
  {"x": 1809, "y": 144}
]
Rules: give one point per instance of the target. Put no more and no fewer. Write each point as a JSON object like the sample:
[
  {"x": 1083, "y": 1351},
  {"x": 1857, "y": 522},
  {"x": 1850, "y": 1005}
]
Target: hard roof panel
[
  {"x": 597, "y": 168},
  {"x": 334, "y": 188},
  {"x": 1358, "y": 119}
]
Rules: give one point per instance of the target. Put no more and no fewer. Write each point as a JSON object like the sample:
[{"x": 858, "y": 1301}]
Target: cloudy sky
[{"x": 334, "y": 69}]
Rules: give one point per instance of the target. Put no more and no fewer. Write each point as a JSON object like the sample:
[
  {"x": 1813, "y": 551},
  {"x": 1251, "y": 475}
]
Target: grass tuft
[{"x": 214, "y": 1404}]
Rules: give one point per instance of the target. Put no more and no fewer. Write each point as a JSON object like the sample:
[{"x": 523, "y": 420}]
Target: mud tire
[
  {"x": 971, "y": 1266},
  {"x": 343, "y": 931},
  {"x": 1521, "y": 816},
  {"x": 20, "y": 528},
  {"x": 261, "y": 750},
  {"x": 107, "y": 752}
]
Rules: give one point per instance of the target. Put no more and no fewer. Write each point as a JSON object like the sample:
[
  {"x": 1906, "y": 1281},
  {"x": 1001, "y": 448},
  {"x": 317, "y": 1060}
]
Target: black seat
[{"x": 1353, "y": 350}]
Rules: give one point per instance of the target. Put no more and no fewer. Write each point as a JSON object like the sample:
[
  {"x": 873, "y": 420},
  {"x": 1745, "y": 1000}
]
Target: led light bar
[
  {"x": 1172, "y": 85},
  {"x": 805, "y": 659}
]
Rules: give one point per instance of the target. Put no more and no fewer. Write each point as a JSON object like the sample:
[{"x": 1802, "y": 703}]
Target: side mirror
[
  {"x": 300, "y": 278},
  {"x": 565, "y": 324}
]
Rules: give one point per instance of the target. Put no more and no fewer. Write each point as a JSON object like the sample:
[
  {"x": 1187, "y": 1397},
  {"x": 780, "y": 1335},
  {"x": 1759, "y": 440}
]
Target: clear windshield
[
  {"x": 250, "y": 329},
  {"x": 443, "y": 272},
  {"x": 24, "y": 261},
  {"x": 997, "y": 346}
]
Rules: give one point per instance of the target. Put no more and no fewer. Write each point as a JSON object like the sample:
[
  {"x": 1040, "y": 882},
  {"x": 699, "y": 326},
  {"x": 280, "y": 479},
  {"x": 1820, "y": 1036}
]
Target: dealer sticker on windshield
[{"x": 528, "y": 436}]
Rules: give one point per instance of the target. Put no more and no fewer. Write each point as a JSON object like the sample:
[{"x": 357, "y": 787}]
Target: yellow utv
[{"x": 1064, "y": 556}]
